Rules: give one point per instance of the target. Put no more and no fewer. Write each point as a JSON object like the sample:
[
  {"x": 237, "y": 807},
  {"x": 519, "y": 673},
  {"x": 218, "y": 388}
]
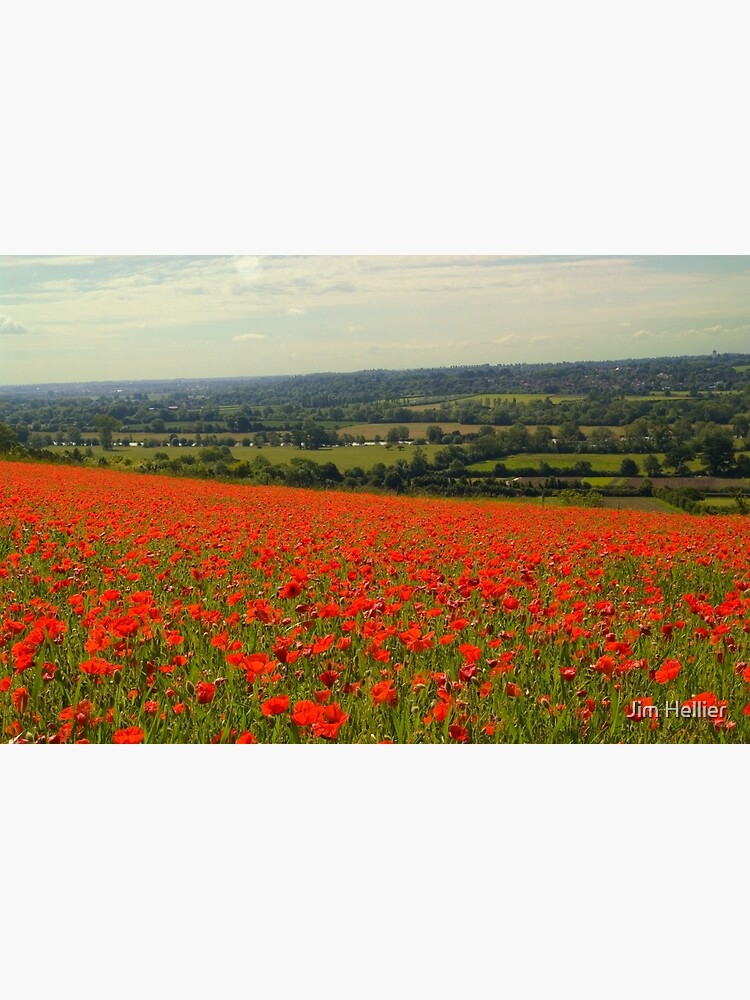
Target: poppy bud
[
  {"x": 190, "y": 688},
  {"x": 117, "y": 676}
]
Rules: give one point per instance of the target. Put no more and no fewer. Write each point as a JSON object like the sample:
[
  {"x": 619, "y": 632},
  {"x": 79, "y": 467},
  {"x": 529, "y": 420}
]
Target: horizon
[
  {"x": 362, "y": 371},
  {"x": 68, "y": 320}
]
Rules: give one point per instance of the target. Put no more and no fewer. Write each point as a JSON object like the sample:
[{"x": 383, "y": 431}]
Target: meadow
[
  {"x": 143, "y": 609},
  {"x": 601, "y": 461},
  {"x": 344, "y": 457}
]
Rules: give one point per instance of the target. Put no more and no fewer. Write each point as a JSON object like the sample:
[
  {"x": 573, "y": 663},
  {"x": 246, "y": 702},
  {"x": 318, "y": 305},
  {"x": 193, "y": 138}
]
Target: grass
[
  {"x": 606, "y": 462},
  {"x": 343, "y": 457},
  {"x": 416, "y": 428},
  {"x": 719, "y": 501},
  {"x": 502, "y": 397},
  {"x": 554, "y": 398}
]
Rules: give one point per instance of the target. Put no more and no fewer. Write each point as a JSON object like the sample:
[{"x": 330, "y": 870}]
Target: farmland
[
  {"x": 645, "y": 426},
  {"x": 144, "y": 609},
  {"x": 345, "y": 458}
]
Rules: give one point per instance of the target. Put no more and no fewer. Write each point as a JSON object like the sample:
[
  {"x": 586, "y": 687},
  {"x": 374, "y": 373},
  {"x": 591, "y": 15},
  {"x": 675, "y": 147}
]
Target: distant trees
[
  {"x": 8, "y": 439},
  {"x": 397, "y": 434},
  {"x": 716, "y": 451},
  {"x": 677, "y": 456},
  {"x": 602, "y": 439},
  {"x": 106, "y": 424},
  {"x": 741, "y": 425}
]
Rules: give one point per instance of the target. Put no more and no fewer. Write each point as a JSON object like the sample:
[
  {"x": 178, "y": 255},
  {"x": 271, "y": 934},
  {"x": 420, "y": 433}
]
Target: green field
[
  {"x": 597, "y": 481},
  {"x": 719, "y": 501},
  {"x": 535, "y": 397},
  {"x": 343, "y": 457},
  {"x": 603, "y": 462},
  {"x": 417, "y": 429},
  {"x": 502, "y": 397}
]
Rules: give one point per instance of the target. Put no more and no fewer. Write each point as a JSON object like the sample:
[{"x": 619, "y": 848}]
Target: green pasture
[
  {"x": 719, "y": 501},
  {"x": 417, "y": 429},
  {"x": 364, "y": 456},
  {"x": 603, "y": 463},
  {"x": 535, "y": 397},
  {"x": 502, "y": 397}
]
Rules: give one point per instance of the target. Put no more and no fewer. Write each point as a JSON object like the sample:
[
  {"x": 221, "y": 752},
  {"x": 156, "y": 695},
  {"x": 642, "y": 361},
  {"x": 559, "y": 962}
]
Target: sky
[{"x": 105, "y": 318}]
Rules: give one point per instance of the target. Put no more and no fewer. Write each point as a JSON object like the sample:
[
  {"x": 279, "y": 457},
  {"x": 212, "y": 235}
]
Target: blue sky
[{"x": 105, "y": 318}]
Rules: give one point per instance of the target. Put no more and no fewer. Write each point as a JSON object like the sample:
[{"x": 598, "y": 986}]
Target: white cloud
[
  {"x": 242, "y": 337},
  {"x": 8, "y": 325}
]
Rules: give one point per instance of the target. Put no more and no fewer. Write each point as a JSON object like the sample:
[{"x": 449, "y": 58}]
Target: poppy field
[{"x": 138, "y": 609}]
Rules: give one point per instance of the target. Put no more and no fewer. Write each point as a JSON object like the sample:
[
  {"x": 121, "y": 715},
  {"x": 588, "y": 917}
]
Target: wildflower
[
  {"x": 20, "y": 699},
  {"x": 132, "y": 734},
  {"x": 605, "y": 665},
  {"x": 332, "y": 719},
  {"x": 204, "y": 692},
  {"x": 384, "y": 693},
  {"x": 306, "y": 713},
  {"x": 275, "y": 706},
  {"x": 667, "y": 671}
]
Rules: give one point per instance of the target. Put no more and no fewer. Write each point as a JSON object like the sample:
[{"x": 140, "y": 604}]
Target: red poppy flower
[
  {"x": 332, "y": 719},
  {"x": 306, "y": 713},
  {"x": 125, "y": 626},
  {"x": 132, "y": 734},
  {"x": 97, "y": 666},
  {"x": 20, "y": 699},
  {"x": 204, "y": 692},
  {"x": 458, "y": 733},
  {"x": 667, "y": 671},
  {"x": 440, "y": 711},
  {"x": 276, "y": 705},
  {"x": 384, "y": 693},
  {"x": 246, "y": 737},
  {"x": 605, "y": 665},
  {"x": 467, "y": 672}
]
